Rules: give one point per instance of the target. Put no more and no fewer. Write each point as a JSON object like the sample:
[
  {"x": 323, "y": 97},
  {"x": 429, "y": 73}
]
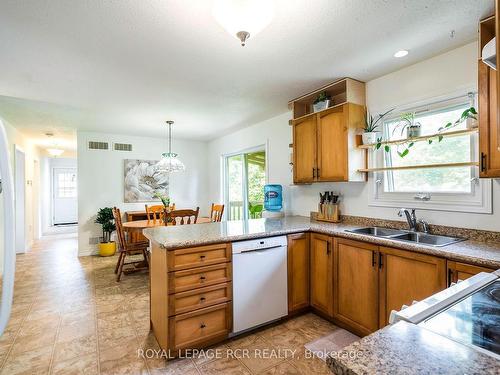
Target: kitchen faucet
[{"x": 411, "y": 218}]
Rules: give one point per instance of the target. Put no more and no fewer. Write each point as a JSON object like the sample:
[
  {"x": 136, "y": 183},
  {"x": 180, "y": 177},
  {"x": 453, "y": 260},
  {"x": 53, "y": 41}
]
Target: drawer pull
[
  {"x": 202, "y": 299},
  {"x": 202, "y": 257},
  {"x": 203, "y": 325},
  {"x": 202, "y": 277}
]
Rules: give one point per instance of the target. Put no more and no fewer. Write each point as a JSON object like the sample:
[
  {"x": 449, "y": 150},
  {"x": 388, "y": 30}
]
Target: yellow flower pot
[{"x": 107, "y": 249}]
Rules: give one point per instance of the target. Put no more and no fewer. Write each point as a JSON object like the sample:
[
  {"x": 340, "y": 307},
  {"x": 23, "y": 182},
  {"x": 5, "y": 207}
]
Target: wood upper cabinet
[
  {"x": 461, "y": 271},
  {"x": 489, "y": 108},
  {"x": 304, "y": 152},
  {"x": 324, "y": 145},
  {"x": 406, "y": 277},
  {"x": 298, "y": 272},
  {"x": 356, "y": 285},
  {"x": 322, "y": 273}
]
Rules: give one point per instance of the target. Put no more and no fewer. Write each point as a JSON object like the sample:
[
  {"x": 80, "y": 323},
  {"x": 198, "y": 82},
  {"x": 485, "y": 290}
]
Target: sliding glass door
[{"x": 245, "y": 177}]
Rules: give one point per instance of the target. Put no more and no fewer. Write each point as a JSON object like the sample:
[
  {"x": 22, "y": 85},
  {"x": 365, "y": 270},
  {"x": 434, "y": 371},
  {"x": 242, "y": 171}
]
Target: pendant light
[
  {"x": 243, "y": 18},
  {"x": 169, "y": 161}
]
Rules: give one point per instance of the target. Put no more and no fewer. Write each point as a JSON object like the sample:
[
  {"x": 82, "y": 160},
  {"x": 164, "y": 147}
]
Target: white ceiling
[{"x": 126, "y": 66}]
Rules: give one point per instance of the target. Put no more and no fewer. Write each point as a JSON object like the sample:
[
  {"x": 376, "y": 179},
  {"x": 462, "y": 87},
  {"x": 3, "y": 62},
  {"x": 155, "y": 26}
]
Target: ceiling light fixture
[
  {"x": 169, "y": 161},
  {"x": 55, "y": 152},
  {"x": 243, "y": 18},
  {"x": 401, "y": 53}
]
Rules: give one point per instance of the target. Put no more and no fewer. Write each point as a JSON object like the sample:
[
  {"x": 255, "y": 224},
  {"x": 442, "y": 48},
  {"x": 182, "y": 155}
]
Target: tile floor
[{"x": 71, "y": 317}]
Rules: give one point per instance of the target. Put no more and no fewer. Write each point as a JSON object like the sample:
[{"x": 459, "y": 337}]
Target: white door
[
  {"x": 65, "y": 204},
  {"x": 20, "y": 200}
]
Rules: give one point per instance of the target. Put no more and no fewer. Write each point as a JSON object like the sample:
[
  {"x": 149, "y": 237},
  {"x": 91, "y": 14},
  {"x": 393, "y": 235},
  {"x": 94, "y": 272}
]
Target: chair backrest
[
  {"x": 181, "y": 217},
  {"x": 122, "y": 243},
  {"x": 216, "y": 212},
  {"x": 154, "y": 213}
]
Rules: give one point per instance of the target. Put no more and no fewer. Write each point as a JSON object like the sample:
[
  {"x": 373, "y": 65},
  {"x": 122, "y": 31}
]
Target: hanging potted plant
[
  {"x": 322, "y": 102},
  {"x": 413, "y": 129},
  {"x": 105, "y": 218},
  {"x": 370, "y": 130}
]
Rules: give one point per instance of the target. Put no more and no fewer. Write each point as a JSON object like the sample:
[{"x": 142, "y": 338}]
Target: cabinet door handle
[
  {"x": 374, "y": 260},
  {"x": 203, "y": 325},
  {"x": 314, "y": 172},
  {"x": 450, "y": 276},
  {"x": 328, "y": 250},
  {"x": 380, "y": 260},
  {"x": 483, "y": 162},
  {"x": 317, "y": 172}
]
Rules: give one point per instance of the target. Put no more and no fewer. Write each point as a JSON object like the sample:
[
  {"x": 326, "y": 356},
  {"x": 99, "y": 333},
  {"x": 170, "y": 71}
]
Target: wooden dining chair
[
  {"x": 126, "y": 248},
  {"x": 154, "y": 213},
  {"x": 184, "y": 216},
  {"x": 216, "y": 212}
]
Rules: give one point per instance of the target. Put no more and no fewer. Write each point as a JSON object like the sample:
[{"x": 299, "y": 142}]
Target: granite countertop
[
  {"x": 405, "y": 348},
  {"x": 474, "y": 252}
]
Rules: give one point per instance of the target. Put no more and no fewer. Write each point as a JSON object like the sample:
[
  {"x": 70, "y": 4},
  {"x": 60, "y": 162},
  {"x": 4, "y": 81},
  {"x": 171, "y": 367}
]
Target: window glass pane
[
  {"x": 449, "y": 150},
  {"x": 256, "y": 176},
  {"x": 235, "y": 186},
  {"x": 66, "y": 185}
]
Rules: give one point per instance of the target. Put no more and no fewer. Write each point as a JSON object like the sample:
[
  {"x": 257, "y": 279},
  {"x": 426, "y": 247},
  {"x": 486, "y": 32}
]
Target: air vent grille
[
  {"x": 95, "y": 145},
  {"x": 123, "y": 147}
]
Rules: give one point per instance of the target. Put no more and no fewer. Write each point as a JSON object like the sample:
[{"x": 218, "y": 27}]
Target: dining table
[{"x": 139, "y": 225}]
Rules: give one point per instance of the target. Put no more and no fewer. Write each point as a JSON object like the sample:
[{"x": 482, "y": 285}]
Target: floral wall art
[{"x": 143, "y": 180}]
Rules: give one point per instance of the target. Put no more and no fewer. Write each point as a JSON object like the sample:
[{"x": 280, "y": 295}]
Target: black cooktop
[{"x": 475, "y": 320}]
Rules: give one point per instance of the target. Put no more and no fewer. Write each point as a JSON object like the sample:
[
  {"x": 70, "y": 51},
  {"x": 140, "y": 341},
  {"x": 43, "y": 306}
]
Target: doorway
[
  {"x": 20, "y": 199},
  {"x": 64, "y": 196},
  {"x": 245, "y": 177}
]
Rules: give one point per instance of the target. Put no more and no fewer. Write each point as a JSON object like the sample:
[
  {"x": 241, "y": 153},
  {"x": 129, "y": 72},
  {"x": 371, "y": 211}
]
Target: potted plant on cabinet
[
  {"x": 105, "y": 218},
  {"x": 370, "y": 133},
  {"x": 322, "y": 102}
]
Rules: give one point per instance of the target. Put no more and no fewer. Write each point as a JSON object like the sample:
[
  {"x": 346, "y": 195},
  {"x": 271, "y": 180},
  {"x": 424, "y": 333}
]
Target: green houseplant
[
  {"x": 107, "y": 221},
  {"x": 322, "y": 102},
  {"x": 371, "y": 126}
]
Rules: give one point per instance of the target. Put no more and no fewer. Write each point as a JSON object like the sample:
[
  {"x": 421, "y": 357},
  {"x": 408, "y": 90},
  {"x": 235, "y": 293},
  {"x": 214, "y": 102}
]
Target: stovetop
[{"x": 475, "y": 320}]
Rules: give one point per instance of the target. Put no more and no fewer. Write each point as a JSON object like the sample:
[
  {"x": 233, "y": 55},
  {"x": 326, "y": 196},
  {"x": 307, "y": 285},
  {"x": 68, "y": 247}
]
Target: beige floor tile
[
  {"x": 31, "y": 362},
  {"x": 243, "y": 342},
  {"x": 75, "y": 329},
  {"x": 120, "y": 336},
  {"x": 121, "y": 360},
  {"x": 261, "y": 356},
  {"x": 81, "y": 365},
  {"x": 36, "y": 341},
  {"x": 284, "y": 368},
  {"x": 75, "y": 347},
  {"x": 183, "y": 366},
  {"x": 225, "y": 366}
]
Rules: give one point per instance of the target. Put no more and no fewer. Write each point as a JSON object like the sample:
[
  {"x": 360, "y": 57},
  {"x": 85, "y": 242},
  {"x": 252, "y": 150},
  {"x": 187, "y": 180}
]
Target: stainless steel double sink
[{"x": 407, "y": 236}]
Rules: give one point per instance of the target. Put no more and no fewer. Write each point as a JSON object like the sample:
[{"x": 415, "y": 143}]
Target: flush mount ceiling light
[
  {"x": 401, "y": 53},
  {"x": 55, "y": 152},
  {"x": 169, "y": 161},
  {"x": 243, "y": 18}
]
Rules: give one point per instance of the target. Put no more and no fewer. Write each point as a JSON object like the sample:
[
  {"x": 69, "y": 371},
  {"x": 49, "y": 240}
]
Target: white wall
[
  {"x": 14, "y": 137},
  {"x": 276, "y": 133},
  {"x": 47, "y": 164},
  {"x": 450, "y": 73},
  {"x": 101, "y": 175}
]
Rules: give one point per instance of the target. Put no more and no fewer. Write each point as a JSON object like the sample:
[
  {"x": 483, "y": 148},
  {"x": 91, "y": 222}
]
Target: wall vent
[
  {"x": 95, "y": 145},
  {"x": 122, "y": 147}
]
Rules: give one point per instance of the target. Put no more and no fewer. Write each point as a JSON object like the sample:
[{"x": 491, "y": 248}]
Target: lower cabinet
[
  {"x": 298, "y": 272},
  {"x": 322, "y": 273},
  {"x": 461, "y": 271},
  {"x": 356, "y": 285},
  {"x": 405, "y": 277}
]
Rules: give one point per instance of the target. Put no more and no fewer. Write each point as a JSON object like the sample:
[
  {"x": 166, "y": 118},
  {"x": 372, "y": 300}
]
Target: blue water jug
[{"x": 273, "y": 198}]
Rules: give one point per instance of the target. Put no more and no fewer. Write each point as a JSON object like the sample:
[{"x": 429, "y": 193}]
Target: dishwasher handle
[{"x": 259, "y": 249}]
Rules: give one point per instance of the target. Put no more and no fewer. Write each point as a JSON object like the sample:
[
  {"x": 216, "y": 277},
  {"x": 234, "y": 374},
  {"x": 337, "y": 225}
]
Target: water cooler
[{"x": 273, "y": 201}]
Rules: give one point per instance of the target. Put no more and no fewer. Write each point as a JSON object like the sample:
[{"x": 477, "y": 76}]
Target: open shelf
[
  {"x": 422, "y": 138},
  {"x": 422, "y": 166}
]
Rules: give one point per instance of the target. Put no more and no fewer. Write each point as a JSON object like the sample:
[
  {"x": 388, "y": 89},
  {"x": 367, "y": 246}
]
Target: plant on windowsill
[
  {"x": 403, "y": 148},
  {"x": 371, "y": 125},
  {"x": 107, "y": 221}
]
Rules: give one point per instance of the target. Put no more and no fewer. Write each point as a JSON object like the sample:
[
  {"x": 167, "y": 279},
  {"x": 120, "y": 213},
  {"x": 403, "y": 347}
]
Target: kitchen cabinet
[
  {"x": 356, "y": 285},
  {"x": 489, "y": 107},
  {"x": 322, "y": 273},
  {"x": 298, "y": 272},
  {"x": 461, "y": 271},
  {"x": 406, "y": 277},
  {"x": 324, "y": 145}
]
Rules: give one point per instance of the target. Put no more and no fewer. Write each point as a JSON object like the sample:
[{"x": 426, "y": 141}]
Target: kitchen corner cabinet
[
  {"x": 324, "y": 145},
  {"x": 322, "y": 273},
  {"x": 406, "y": 277},
  {"x": 461, "y": 271},
  {"x": 356, "y": 285},
  {"x": 298, "y": 272},
  {"x": 489, "y": 108}
]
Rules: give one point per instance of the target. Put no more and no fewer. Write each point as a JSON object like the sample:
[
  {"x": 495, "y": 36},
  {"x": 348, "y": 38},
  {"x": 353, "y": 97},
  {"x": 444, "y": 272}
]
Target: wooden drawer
[
  {"x": 199, "y": 298},
  {"x": 198, "y": 256},
  {"x": 181, "y": 281},
  {"x": 200, "y": 327}
]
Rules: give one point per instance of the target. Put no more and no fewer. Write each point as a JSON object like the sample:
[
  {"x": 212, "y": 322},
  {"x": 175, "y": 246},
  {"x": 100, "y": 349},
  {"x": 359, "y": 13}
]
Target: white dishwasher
[{"x": 260, "y": 293}]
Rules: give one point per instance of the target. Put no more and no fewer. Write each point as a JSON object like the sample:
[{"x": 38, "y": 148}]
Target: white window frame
[
  {"x": 225, "y": 189},
  {"x": 479, "y": 200}
]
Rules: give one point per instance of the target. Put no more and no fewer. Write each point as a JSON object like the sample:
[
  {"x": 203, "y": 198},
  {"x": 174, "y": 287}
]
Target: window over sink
[{"x": 444, "y": 188}]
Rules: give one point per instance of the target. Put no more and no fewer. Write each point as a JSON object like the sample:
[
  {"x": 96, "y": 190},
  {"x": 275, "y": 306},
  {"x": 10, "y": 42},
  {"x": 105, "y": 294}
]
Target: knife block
[{"x": 329, "y": 212}]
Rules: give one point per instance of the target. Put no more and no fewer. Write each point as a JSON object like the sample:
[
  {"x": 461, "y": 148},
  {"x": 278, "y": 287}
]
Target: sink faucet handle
[{"x": 402, "y": 212}]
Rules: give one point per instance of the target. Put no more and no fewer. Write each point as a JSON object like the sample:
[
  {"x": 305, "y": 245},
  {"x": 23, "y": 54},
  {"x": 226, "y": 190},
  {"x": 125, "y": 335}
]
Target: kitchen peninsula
[{"x": 192, "y": 273}]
